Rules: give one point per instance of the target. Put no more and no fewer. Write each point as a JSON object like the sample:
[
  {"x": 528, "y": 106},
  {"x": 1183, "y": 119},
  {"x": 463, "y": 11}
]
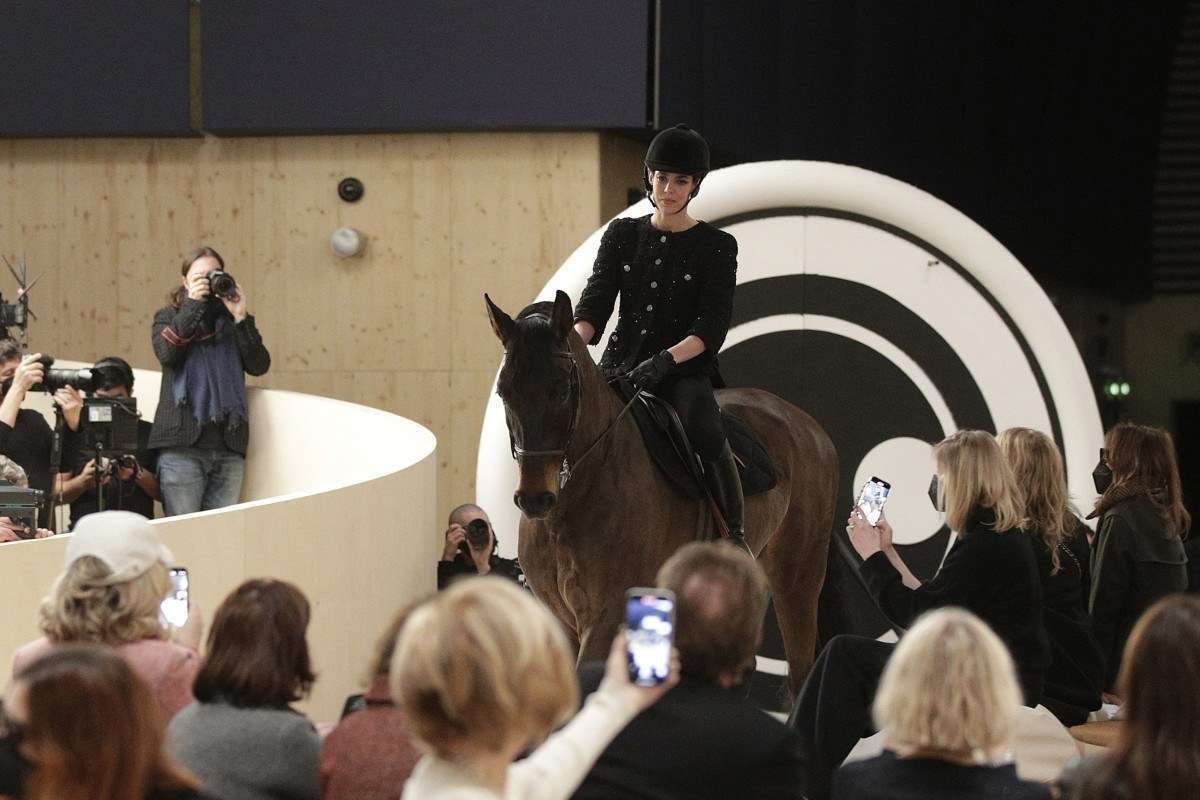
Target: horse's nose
[{"x": 535, "y": 504}]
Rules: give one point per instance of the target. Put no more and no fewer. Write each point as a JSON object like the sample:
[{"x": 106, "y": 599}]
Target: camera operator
[
  {"x": 207, "y": 343},
  {"x": 128, "y": 481},
  {"x": 471, "y": 549},
  {"x": 25, "y": 436}
]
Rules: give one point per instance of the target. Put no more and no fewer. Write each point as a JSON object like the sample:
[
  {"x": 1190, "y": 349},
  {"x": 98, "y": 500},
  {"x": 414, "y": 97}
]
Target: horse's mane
[{"x": 544, "y": 309}]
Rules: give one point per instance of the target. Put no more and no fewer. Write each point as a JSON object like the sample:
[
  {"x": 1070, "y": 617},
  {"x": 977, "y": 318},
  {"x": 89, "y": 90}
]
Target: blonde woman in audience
[
  {"x": 115, "y": 580},
  {"x": 1157, "y": 752},
  {"x": 1075, "y": 677},
  {"x": 948, "y": 704},
  {"x": 484, "y": 674},
  {"x": 991, "y": 570}
]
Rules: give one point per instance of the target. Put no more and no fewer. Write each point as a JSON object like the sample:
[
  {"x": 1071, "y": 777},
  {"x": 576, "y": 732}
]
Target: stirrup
[{"x": 738, "y": 539}]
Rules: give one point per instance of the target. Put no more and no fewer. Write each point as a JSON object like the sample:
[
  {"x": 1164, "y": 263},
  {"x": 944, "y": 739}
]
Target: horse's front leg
[{"x": 598, "y": 634}]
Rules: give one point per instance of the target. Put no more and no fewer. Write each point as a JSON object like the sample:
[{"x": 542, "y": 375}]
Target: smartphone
[
  {"x": 175, "y": 607},
  {"x": 872, "y": 498},
  {"x": 649, "y": 634}
]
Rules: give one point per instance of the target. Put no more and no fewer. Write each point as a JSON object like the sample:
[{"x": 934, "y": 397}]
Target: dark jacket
[
  {"x": 171, "y": 335},
  {"x": 698, "y": 741},
  {"x": 1135, "y": 562},
  {"x": 994, "y": 575},
  {"x": 671, "y": 285},
  {"x": 1075, "y": 677},
  {"x": 450, "y": 571},
  {"x": 887, "y": 777}
]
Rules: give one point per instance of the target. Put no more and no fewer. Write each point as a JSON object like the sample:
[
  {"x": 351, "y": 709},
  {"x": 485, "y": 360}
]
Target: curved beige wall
[{"x": 339, "y": 498}]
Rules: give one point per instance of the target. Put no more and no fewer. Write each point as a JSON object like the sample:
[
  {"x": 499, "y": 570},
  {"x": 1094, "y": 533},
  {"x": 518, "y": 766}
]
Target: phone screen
[
  {"x": 649, "y": 634},
  {"x": 874, "y": 494},
  {"x": 175, "y": 607}
]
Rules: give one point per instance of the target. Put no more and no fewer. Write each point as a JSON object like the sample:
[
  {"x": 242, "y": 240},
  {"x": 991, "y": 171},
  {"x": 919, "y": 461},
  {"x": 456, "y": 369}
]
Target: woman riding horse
[{"x": 676, "y": 276}]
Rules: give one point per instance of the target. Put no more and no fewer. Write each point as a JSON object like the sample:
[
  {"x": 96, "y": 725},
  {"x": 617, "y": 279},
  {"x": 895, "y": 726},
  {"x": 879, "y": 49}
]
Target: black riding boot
[{"x": 726, "y": 488}]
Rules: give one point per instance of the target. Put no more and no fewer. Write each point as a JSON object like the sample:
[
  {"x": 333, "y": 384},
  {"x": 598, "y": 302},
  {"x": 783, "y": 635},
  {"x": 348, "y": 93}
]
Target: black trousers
[
  {"x": 693, "y": 400},
  {"x": 833, "y": 710}
]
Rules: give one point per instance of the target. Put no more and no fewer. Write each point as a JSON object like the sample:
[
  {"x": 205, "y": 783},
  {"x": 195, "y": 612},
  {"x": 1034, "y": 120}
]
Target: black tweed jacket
[{"x": 671, "y": 285}]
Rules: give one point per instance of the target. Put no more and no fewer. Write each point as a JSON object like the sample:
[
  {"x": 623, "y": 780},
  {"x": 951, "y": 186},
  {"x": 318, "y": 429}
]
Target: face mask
[
  {"x": 933, "y": 493},
  {"x": 14, "y": 767},
  {"x": 1102, "y": 475}
]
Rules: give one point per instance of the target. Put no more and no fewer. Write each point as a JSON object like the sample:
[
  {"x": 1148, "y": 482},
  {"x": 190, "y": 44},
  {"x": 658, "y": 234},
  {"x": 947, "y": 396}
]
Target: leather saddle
[{"x": 667, "y": 443}]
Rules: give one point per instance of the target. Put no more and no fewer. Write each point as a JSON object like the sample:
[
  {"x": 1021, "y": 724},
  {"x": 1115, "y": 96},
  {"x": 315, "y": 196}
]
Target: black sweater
[
  {"x": 887, "y": 777},
  {"x": 994, "y": 575},
  {"x": 173, "y": 331},
  {"x": 29, "y": 443},
  {"x": 1135, "y": 562},
  {"x": 671, "y": 285}
]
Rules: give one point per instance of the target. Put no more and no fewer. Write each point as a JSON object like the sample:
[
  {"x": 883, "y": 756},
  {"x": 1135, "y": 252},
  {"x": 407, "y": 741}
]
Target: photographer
[
  {"x": 128, "y": 481},
  {"x": 206, "y": 342},
  {"x": 471, "y": 549},
  {"x": 25, "y": 437}
]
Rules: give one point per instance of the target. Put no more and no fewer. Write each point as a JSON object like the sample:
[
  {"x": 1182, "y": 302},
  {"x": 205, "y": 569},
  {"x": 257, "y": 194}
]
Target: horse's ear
[
  {"x": 564, "y": 315},
  {"x": 502, "y": 323}
]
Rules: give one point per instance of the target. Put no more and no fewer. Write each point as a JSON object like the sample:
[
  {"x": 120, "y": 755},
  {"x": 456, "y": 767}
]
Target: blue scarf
[{"x": 211, "y": 378}]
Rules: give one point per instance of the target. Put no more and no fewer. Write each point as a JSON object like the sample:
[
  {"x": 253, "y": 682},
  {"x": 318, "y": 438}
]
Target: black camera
[
  {"x": 478, "y": 534},
  {"x": 222, "y": 284},
  {"x": 55, "y": 379}
]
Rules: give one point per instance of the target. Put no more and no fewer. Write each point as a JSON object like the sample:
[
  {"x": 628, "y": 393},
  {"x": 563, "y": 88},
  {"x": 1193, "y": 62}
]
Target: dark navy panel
[
  {"x": 372, "y": 65},
  {"x": 82, "y": 68}
]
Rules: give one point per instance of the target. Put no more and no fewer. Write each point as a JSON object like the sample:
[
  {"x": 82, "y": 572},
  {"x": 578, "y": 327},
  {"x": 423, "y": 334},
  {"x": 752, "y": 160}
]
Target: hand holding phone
[
  {"x": 175, "y": 606},
  {"x": 872, "y": 498}
]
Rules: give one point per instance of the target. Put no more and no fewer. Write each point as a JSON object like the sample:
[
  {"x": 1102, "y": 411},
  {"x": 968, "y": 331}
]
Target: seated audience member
[
  {"x": 947, "y": 703},
  {"x": 464, "y": 554},
  {"x": 704, "y": 738},
  {"x": 1075, "y": 677},
  {"x": 991, "y": 570},
  {"x": 1157, "y": 752},
  {"x": 25, "y": 436},
  {"x": 131, "y": 484},
  {"x": 12, "y": 530},
  {"x": 115, "y": 580},
  {"x": 1138, "y": 555},
  {"x": 241, "y": 738},
  {"x": 79, "y": 724},
  {"x": 369, "y": 756},
  {"x": 484, "y": 674}
]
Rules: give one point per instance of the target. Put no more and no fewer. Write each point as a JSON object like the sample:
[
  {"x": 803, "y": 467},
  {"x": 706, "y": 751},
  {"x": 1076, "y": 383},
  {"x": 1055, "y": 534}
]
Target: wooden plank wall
[{"x": 447, "y": 216}]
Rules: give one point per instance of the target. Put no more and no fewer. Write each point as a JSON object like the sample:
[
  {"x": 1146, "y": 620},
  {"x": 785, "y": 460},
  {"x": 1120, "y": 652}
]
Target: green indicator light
[{"x": 1124, "y": 389}]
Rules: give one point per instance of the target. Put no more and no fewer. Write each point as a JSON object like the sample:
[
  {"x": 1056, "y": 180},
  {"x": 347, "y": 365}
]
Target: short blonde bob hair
[
  {"x": 949, "y": 687},
  {"x": 973, "y": 474},
  {"x": 82, "y": 607},
  {"x": 482, "y": 664}
]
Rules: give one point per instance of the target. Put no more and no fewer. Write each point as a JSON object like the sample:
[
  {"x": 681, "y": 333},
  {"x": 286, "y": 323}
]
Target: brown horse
[{"x": 615, "y": 520}]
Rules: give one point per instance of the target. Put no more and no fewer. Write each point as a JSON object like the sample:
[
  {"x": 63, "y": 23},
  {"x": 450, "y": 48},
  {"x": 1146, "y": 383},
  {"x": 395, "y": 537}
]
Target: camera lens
[{"x": 222, "y": 283}]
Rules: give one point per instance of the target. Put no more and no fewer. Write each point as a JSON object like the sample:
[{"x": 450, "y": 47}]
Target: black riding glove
[{"x": 651, "y": 372}]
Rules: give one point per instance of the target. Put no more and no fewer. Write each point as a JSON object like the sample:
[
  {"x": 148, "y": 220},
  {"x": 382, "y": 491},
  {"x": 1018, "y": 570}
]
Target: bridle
[{"x": 576, "y": 391}]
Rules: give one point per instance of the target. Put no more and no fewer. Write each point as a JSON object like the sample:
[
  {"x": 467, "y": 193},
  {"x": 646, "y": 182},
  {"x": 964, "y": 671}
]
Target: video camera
[
  {"x": 21, "y": 506},
  {"x": 54, "y": 379}
]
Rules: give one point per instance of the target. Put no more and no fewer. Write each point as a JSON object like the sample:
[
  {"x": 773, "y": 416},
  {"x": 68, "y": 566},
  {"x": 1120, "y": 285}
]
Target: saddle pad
[{"x": 670, "y": 451}]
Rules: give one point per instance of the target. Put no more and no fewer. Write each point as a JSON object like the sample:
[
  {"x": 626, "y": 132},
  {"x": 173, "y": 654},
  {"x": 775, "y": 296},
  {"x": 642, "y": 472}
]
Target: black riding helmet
[{"x": 680, "y": 150}]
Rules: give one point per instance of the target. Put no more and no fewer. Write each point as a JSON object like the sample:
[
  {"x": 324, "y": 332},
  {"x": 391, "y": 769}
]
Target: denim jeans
[{"x": 192, "y": 479}]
